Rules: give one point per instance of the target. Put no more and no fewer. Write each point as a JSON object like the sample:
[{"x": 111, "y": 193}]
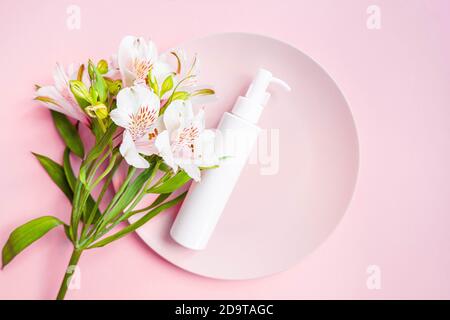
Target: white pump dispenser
[
  {"x": 206, "y": 199},
  {"x": 251, "y": 106}
]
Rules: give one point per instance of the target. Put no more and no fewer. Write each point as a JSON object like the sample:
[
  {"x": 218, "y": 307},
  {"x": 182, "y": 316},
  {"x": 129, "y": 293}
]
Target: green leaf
[
  {"x": 132, "y": 227},
  {"x": 160, "y": 199},
  {"x": 152, "y": 82},
  {"x": 130, "y": 192},
  {"x": 166, "y": 86},
  {"x": 180, "y": 95},
  {"x": 68, "y": 171},
  {"x": 72, "y": 180},
  {"x": 68, "y": 133},
  {"x": 172, "y": 184},
  {"x": 90, "y": 203},
  {"x": 25, "y": 235},
  {"x": 176, "y": 95},
  {"x": 56, "y": 173},
  {"x": 68, "y": 232}
]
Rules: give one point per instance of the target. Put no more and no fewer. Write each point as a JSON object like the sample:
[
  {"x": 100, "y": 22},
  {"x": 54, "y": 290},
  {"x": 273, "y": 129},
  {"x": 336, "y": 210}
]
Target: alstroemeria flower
[
  {"x": 185, "y": 143},
  {"x": 59, "y": 97},
  {"x": 135, "y": 59},
  {"x": 113, "y": 69},
  {"x": 185, "y": 69},
  {"x": 137, "y": 112}
]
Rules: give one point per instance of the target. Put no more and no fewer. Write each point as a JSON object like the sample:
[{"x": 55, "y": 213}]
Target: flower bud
[
  {"x": 79, "y": 90},
  {"x": 114, "y": 86},
  {"x": 102, "y": 66},
  {"x": 94, "y": 94},
  {"x": 91, "y": 70},
  {"x": 98, "y": 111}
]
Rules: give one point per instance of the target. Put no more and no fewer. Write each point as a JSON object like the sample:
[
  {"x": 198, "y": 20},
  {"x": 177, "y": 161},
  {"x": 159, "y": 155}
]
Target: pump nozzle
[
  {"x": 283, "y": 84},
  {"x": 250, "y": 107},
  {"x": 257, "y": 90}
]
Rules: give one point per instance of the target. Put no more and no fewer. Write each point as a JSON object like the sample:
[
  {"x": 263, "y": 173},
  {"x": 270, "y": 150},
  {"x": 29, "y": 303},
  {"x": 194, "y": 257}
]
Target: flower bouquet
[{"x": 138, "y": 107}]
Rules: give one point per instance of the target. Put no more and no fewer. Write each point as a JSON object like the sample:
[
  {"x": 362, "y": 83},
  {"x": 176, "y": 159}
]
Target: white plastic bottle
[{"x": 206, "y": 199}]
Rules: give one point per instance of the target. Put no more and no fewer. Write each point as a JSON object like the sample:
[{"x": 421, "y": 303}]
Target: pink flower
[{"x": 58, "y": 97}]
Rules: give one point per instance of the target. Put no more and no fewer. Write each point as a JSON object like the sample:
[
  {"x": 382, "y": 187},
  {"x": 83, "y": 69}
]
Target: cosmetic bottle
[{"x": 207, "y": 198}]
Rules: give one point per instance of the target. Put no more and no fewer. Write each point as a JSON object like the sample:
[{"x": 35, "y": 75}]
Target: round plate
[{"x": 300, "y": 178}]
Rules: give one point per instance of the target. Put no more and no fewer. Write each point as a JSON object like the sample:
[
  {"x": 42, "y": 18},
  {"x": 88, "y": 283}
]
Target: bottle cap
[{"x": 251, "y": 106}]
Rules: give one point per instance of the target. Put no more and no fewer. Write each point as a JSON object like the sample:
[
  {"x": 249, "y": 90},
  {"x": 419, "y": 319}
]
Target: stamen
[
  {"x": 141, "y": 68},
  {"x": 187, "y": 138},
  {"x": 152, "y": 135},
  {"x": 142, "y": 121}
]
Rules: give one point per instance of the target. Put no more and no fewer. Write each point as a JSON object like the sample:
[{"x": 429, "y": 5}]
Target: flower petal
[
  {"x": 129, "y": 152},
  {"x": 178, "y": 114},
  {"x": 132, "y": 50},
  {"x": 60, "y": 103},
  {"x": 160, "y": 71},
  {"x": 145, "y": 146},
  {"x": 125, "y": 58},
  {"x": 120, "y": 117},
  {"x": 49, "y": 92},
  {"x": 199, "y": 121},
  {"x": 60, "y": 77},
  {"x": 146, "y": 97},
  {"x": 145, "y": 50},
  {"x": 162, "y": 143},
  {"x": 127, "y": 101}
]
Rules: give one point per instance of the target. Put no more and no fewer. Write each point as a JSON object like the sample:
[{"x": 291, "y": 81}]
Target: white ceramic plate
[{"x": 288, "y": 202}]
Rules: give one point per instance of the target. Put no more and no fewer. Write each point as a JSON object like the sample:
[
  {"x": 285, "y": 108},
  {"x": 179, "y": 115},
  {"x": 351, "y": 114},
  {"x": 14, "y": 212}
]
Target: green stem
[
  {"x": 100, "y": 222},
  {"x": 74, "y": 258},
  {"x": 112, "y": 161},
  {"x": 75, "y": 207},
  {"x": 103, "y": 228},
  {"x": 102, "y": 125},
  {"x": 121, "y": 190},
  {"x": 96, "y": 164},
  {"x": 155, "y": 203},
  {"x": 85, "y": 232}
]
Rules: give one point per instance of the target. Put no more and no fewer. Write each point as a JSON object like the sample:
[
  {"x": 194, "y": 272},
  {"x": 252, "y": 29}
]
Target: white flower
[
  {"x": 59, "y": 97},
  {"x": 185, "y": 69},
  {"x": 135, "y": 59},
  {"x": 185, "y": 143},
  {"x": 113, "y": 69},
  {"x": 137, "y": 111}
]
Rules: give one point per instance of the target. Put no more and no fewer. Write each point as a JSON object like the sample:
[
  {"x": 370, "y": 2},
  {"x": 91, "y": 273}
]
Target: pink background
[{"x": 395, "y": 79}]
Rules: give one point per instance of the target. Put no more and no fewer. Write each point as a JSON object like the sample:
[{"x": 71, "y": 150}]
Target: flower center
[
  {"x": 141, "y": 68},
  {"x": 184, "y": 145},
  {"x": 142, "y": 121}
]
